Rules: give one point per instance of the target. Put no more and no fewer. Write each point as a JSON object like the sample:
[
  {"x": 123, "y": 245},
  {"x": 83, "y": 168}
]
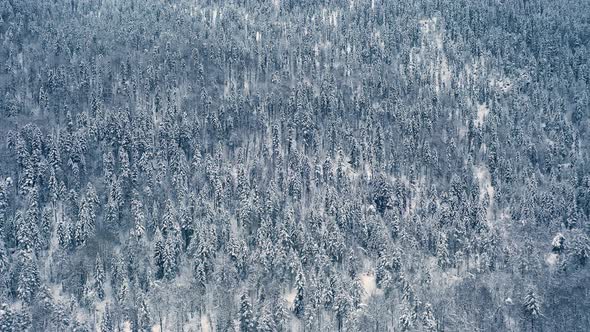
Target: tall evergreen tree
[{"x": 246, "y": 315}]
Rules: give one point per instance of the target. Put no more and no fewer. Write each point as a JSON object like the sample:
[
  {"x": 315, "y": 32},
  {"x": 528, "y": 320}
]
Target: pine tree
[
  {"x": 342, "y": 306},
  {"x": 112, "y": 214},
  {"x": 87, "y": 217},
  {"x": 54, "y": 154},
  {"x": 379, "y": 144},
  {"x": 99, "y": 278},
  {"x": 24, "y": 232},
  {"x": 63, "y": 233},
  {"x": 246, "y": 316},
  {"x": 118, "y": 270},
  {"x": 45, "y": 230},
  {"x": 355, "y": 157},
  {"x": 144, "y": 314},
  {"x": 125, "y": 171},
  {"x": 579, "y": 247},
  {"x": 7, "y": 318},
  {"x": 28, "y": 281},
  {"x": 442, "y": 253},
  {"x": 4, "y": 270},
  {"x": 106, "y": 323},
  {"x": 3, "y": 202},
  {"x": 242, "y": 187},
  {"x": 405, "y": 319},
  {"x": 383, "y": 276},
  {"x": 381, "y": 192},
  {"x": 200, "y": 275},
  {"x": 169, "y": 218},
  {"x": 123, "y": 292},
  {"x": 91, "y": 195},
  {"x": 88, "y": 296},
  {"x": 532, "y": 307},
  {"x": 299, "y": 305},
  {"x": 264, "y": 321},
  {"x": 170, "y": 256},
  {"x": 159, "y": 254},
  {"x": 138, "y": 216},
  {"x": 428, "y": 318}
]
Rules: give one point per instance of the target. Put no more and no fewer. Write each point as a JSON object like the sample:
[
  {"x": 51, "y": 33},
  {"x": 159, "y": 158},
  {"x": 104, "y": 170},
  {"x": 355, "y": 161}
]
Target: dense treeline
[{"x": 284, "y": 165}]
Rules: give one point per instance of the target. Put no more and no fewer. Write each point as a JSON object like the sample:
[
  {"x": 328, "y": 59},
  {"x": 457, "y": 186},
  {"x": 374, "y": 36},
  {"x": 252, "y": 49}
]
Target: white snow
[
  {"x": 483, "y": 176},
  {"x": 246, "y": 86},
  {"x": 53, "y": 244},
  {"x": 368, "y": 171},
  {"x": 482, "y": 112},
  {"x": 551, "y": 259},
  {"x": 369, "y": 284},
  {"x": 205, "y": 324},
  {"x": 289, "y": 297},
  {"x": 214, "y": 17},
  {"x": 486, "y": 189}
]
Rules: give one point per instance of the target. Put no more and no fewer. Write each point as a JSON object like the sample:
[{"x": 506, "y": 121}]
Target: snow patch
[
  {"x": 246, "y": 87},
  {"x": 369, "y": 283},
  {"x": 483, "y": 176},
  {"x": 482, "y": 112},
  {"x": 214, "y": 17},
  {"x": 551, "y": 259},
  {"x": 205, "y": 324},
  {"x": 368, "y": 171},
  {"x": 290, "y": 298},
  {"x": 485, "y": 186}
]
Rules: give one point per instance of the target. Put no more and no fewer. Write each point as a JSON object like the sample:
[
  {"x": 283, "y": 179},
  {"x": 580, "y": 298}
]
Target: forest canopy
[{"x": 294, "y": 165}]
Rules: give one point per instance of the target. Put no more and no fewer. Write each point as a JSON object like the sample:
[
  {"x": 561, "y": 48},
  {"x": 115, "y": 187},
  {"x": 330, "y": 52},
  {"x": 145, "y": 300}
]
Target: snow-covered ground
[
  {"x": 482, "y": 112},
  {"x": 205, "y": 323},
  {"x": 486, "y": 190},
  {"x": 53, "y": 244},
  {"x": 289, "y": 297},
  {"x": 551, "y": 259},
  {"x": 369, "y": 284}
]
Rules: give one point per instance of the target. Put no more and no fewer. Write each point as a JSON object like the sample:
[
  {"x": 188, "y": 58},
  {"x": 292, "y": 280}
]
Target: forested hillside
[{"x": 294, "y": 165}]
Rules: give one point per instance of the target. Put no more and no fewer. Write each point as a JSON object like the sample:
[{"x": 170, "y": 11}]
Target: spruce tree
[
  {"x": 246, "y": 315},
  {"x": 99, "y": 278},
  {"x": 299, "y": 304}
]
